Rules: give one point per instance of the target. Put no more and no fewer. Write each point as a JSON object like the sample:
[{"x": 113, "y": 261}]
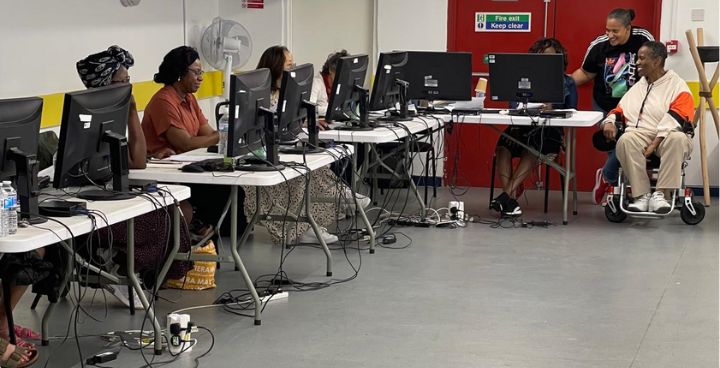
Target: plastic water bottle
[
  {"x": 13, "y": 209},
  {"x": 223, "y": 126},
  {"x": 4, "y": 214}
]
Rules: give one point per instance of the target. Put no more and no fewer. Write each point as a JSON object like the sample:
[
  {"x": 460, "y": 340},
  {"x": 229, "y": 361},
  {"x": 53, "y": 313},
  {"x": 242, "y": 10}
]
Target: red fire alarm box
[{"x": 671, "y": 46}]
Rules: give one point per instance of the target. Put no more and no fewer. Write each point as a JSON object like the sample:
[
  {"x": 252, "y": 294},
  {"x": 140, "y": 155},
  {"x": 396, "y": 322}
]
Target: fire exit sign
[{"x": 502, "y": 22}]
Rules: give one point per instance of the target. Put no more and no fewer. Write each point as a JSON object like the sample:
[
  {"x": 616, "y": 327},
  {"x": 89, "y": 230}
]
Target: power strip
[{"x": 276, "y": 296}]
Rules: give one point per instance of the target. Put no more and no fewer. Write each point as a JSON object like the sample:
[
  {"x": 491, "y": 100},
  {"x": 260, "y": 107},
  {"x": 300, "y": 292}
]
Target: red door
[{"x": 575, "y": 23}]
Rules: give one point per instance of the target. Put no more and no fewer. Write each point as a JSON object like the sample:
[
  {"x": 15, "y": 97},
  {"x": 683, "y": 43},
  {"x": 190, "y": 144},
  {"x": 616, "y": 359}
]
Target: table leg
[
  {"x": 574, "y": 173},
  {"x": 45, "y": 340},
  {"x": 316, "y": 228},
  {"x": 361, "y": 210},
  {"x": 239, "y": 266},
  {"x": 566, "y": 181},
  {"x": 136, "y": 285}
]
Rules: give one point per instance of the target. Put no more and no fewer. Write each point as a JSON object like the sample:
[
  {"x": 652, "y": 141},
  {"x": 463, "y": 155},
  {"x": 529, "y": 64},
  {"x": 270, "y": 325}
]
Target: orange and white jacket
[{"x": 661, "y": 107}]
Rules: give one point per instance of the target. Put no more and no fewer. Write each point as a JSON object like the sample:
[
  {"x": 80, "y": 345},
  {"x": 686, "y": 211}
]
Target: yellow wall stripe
[
  {"x": 211, "y": 86},
  {"x": 695, "y": 88}
]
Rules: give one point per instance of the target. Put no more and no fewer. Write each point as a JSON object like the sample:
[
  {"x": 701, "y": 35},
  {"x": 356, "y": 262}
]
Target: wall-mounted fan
[{"x": 226, "y": 45}]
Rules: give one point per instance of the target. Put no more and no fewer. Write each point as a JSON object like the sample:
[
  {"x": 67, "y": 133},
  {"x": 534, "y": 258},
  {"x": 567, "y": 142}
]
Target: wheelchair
[{"x": 618, "y": 198}]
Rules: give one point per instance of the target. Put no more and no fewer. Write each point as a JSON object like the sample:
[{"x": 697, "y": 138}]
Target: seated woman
[
  {"x": 324, "y": 183},
  {"x": 111, "y": 67},
  {"x": 547, "y": 140},
  {"x": 322, "y": 83},
  {"x": 174, "y": 123},
  {"x": 657, "y": 111}
]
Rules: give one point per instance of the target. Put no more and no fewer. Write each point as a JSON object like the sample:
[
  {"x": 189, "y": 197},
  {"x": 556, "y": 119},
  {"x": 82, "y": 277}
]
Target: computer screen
[
  {"x": 386, "y": 89},
  {"x": 295, "y": 87},
  {"x": 248, "y": 91},
  {"x": 526, "y": 77},
  {"x": 93, "y": 146},
  {"x": 347, "y": 95},
  {"x": 19, "y": 131},
  {"x": 439, "y": 75}
]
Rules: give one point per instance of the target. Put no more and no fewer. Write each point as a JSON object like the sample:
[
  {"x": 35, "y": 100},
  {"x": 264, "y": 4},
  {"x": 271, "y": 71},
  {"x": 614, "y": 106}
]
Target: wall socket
[{"x": 697, "y": 15}]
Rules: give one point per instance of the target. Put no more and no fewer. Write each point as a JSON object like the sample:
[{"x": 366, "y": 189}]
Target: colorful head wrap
[{"x": 97, "y": 70}]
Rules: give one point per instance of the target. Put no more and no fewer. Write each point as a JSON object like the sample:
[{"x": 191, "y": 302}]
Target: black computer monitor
[
  {"x": 248, "y": 91},
  {"x": 251, "y": 122},
  {"x": 526, "y": 77},
  {"x": 294, "y": 108},
  {"x": 433, "y": 75},
  {"x": 19, "y": 130},
  {"x": 347, "y": 95},
  {"x": 390, "y": 86},
  {"x": 93, "y": 146}
]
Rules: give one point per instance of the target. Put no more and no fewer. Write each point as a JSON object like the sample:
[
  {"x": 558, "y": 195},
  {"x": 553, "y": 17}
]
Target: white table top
[
  {"x": 580, "y": 119},
  {"x": 37, "y": 236},
  {"x": 381, "y": 134},
  {"x": 170, "y": 173}
]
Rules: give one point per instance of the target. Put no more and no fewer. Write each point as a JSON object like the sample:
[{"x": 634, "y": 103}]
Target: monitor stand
[
  {"x": 272, "y": 162},
  {"x": 120, "y": 169},
  {"x": 312, "y": 145},
  {"x": 403, "y": 114},
  {"x": 363, "y": 123},
  {"x": 27, "y": 185}
]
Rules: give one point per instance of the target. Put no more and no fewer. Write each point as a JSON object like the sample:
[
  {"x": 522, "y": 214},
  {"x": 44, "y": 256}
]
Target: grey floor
[{"x": 591, "y": 294}]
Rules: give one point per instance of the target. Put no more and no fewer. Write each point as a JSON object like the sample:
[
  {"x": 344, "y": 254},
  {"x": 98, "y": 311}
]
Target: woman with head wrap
[{"x": 110, "y": 67}]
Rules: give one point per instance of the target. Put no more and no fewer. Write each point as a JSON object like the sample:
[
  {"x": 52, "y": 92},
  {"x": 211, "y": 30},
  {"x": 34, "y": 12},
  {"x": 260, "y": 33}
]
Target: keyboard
[{"x": 560, "y": 114}]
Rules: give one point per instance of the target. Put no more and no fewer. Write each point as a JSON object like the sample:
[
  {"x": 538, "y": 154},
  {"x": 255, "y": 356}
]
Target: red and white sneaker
[{"x": 600, "y": 189}]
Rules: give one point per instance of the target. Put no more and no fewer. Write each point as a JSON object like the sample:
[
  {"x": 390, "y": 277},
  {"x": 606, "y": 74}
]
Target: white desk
[
  {"x": 51, "y": 232},
  {"x": 171, "y": 173},
  {"x": 580, "y": 119}
]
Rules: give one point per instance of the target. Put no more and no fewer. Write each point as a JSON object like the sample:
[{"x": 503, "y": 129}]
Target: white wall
[
  {"x": 412, "y": 25},
  {"x": 43, "y": 39},
  {"x": 675, "y": 22},
  {"x": 321, "y": 27}
]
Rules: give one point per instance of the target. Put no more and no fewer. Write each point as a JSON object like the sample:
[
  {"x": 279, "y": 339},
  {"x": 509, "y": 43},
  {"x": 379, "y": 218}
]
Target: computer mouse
[
  {"x": 192, "y": 168},
  {"x": 212, "y": 149}
]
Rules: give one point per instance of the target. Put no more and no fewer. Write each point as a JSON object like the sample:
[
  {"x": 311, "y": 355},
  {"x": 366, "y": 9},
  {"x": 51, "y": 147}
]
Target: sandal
[
  {"x": 26, "y": 333},
  {"x": 20, "y": 358}
]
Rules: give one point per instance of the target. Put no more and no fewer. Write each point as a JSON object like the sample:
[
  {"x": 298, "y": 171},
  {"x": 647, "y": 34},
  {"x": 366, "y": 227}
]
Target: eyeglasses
[{"x": 197, "y": 72}]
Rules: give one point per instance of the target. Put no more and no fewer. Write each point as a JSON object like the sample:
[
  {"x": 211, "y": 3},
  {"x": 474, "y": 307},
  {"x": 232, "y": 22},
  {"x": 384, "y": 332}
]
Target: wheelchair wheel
[
  {"x": 688, "y": 217},
  {"x": 616, "y": 217}
]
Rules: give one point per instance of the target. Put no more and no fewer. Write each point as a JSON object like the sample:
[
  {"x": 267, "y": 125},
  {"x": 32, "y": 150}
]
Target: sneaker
[
  {"x": 506, "y": 205},
  {"x": 349, "y": 204},
  {"x": 309, "y": 237},
  {"x": 640, "y": 204},
  {"x": 512, "y": 208},
  {"x": 600, "y": 188},
  {"x": 121, "y": 293},
  {"x": 499, "y": 201},
  {"x": 658, "y": 203}
]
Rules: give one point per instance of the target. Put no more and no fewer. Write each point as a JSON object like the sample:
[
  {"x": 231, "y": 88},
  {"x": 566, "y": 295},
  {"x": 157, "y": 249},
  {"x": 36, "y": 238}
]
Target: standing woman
[{"x": 610, "y": 62}]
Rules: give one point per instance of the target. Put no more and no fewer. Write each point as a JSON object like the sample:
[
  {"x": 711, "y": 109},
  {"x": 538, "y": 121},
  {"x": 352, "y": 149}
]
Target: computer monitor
[
  {"x": 347, "y": 95},
  {"x": 251, "y": 122},
  {"x": 248, "y": 91},
  {"x": 19, "y": 131},
  {"x": 294, "y": 108},
  {"x": 390, "y": 86},
  {"x": 92, "y": 144},
  {"x": 433, "y": 75},
  {"x": 526, "y": 77}
]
